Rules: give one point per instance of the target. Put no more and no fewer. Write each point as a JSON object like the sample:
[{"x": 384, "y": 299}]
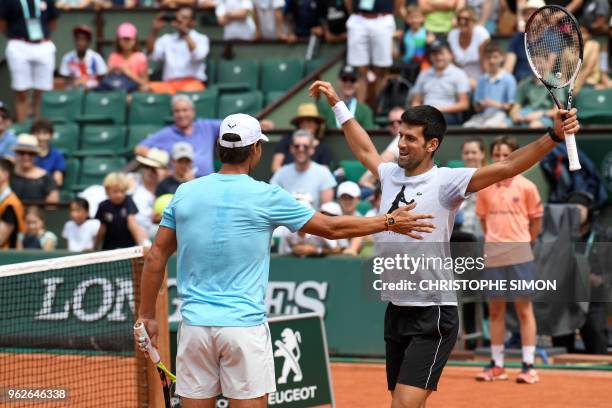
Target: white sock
[
  {"x": 528, "y": 354},
  {"x": 497, "y": 352}
]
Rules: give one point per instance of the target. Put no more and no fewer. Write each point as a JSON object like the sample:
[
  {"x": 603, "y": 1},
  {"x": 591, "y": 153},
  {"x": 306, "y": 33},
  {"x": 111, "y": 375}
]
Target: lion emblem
[{"x": 289, "y": 349}]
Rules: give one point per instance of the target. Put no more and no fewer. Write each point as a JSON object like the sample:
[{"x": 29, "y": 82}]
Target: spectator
[
  {"x": 516, "y": 58},
  {"x": 307, "y": 118},
  {"x": 595, "y": 14},
  {"x": 200, "y": 133},
  {"x": 573, "y": 6},
  {"x": 152, "y": 169},
  {"x": 49, "y": 158},
  {"x": 35, "y": 235},
  {"x": 414, "y": 43},
  {"x": 303, "y": 245},
  {"x": 590, "y": 70},
  {"x": 72, "y": 4},
  {"x": 268, "y": 18},
  {"x": 128, "y": 67},
  {"x": 391, "y": 153},
  {"x": 7, "y": 137},
  {"x": 495, "y": 92},
  {"x": 467, "y": 42},
  {"x": 511, "y": 215},
  {"x": 304, "y": 176},
  {"x": 487, "y": 13},
  {"x": 333, "y": 17},
  {"x": 82, "y": 67},
  {"x": 347, "y": 85},
  {"x": 29, "y": 52},
  {"x": 80, "y": 231},
  {"x": 444, "y": 86},
  {"x": 439, "y": 14},
  {"x": 534, "y": 107},
  {"x": 182, "y": 52},
  {"x": 116, "y": 3},
  {"x": 473, "y": 155},
  {"x": 301, "y": 18},
  {"x": 12, "y": 218},
  {"x": 348, "y": 196},
  {"x": 117, "y": 215},
  {"x": 30, "y": 182},
  {"x": 235, "y": 17},
  {"x": 182, "y": 169},
  {"x": 370, "y": 30}
]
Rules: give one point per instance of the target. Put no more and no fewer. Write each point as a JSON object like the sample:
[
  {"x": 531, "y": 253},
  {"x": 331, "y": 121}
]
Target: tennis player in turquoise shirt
[{"x": 221, "y": 226}]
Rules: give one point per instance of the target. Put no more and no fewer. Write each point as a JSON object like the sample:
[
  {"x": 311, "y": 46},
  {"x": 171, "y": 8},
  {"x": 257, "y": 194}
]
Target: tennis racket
[
  {"x": 554, "y": 47},
  {"x": 167, "y": 378}
]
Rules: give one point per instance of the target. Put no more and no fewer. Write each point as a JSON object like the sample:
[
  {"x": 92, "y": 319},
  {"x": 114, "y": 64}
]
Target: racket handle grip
[
  {"x": 140, "y": 332},
  {"x": 572, "y": 152}
]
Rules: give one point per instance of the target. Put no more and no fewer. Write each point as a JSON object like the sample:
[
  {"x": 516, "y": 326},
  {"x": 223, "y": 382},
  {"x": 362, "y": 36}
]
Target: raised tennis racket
[
  {"x": 168, "y": 379},
  {"x": 554, "y": 47}
]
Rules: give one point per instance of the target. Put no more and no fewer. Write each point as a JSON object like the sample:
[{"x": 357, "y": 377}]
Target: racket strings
[{"x": 553, "y": 46}]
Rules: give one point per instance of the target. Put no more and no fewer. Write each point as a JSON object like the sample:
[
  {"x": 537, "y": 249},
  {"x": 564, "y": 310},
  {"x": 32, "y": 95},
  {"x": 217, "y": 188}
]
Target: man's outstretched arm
[
  {"x": 153, "y": 276},
  {"x": 522, "y": 159},
  {"x": 358, "y": 139}
]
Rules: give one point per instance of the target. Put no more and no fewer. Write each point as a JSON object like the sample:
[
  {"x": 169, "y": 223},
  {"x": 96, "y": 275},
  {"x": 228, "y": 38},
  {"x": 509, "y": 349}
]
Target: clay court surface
[{"x": 364, "y": 385}]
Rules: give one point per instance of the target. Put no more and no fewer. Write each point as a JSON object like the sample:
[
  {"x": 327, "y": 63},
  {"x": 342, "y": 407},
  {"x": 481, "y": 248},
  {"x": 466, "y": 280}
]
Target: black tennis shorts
[{"x": 418, "y": 342}]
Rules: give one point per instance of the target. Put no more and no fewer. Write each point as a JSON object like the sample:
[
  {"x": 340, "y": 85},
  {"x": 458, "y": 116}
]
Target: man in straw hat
[
  {"x": 29, "y": 182},
  {"x": 220, "y": 226},
  {"x": 307, "y": 117},
  {"x": 153, "y": 168}
]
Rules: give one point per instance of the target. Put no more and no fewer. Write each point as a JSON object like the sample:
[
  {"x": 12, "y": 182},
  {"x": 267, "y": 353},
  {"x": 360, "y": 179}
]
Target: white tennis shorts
[
  {"x": 31, "y": 65},
  {"x": 370, "y": 40},
  {"x": 235, "y": 361}
]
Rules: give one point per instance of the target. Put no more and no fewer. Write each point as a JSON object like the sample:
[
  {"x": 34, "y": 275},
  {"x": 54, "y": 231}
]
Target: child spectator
[
  {"x": 82, "y": 67},
  {"x": 467, "y": 42},
  {"x": 80, "y": 231},
  {"x": 235, "y": 17},
  {"x": 35, "y": 235},
  {"x": 7, "y": 137},
  {"x": 128, "y": 67},
  {"x": 268, "y": 18},
  {"x": 49, "y": 158},
  {"x": 495, "y": 92},
  {"x": 117, "y": 215},
  {"x": 414, "y": 43}
]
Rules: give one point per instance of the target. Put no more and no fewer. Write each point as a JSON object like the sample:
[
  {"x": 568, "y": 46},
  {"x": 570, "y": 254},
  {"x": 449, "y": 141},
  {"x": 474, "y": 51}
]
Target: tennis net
[{"x": 66, "y": 334}]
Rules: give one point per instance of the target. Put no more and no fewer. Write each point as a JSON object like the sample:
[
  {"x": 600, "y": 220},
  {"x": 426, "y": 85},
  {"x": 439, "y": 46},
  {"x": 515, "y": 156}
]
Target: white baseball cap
[
  {"x": 349, "y": 188},
  {"x": 182, "y": 150},
  {"x": 534, "y": 4},
  {"x": 331, "y": 208},
  {"x": 245, "y": 126}
]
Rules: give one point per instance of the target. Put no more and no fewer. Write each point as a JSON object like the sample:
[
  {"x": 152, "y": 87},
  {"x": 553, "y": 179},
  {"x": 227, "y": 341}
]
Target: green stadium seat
[
  {"x": 594, "y": 106},
  {"x": 273, "y": 96},
  {"x": 149, "y": 108},
  {"x": 281, "y": 74},
  {"x": 313, "y": 64},
  {"x": 94, "y": 169},
  {"x": 205, "y": 102},
  {"x": 22, "y": 127},
  {"x": 353, "y": 169},
  {"x": 211, "y": 71},
  {"x": 104, "y": 107},
  {"x": 66, "y": 137},
  {"x": 61, "y": 106},
  {"x": 66, "y": 196},
  {"x": 102, "y": 140},
  {"x": 241, "y": 102},
  {"x": 137, "y": 133},
  {"x": 363, "y": 207},
  {"x": 453, "y": 164},
  {"x": 71, "y": 178},
  {"x": 155, "y": 69},
  {"x": 239, "y": 71}
]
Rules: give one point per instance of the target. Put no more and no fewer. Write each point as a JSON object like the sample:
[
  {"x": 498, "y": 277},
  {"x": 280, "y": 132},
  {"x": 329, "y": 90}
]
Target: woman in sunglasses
[{"x": 29, "y": 182}]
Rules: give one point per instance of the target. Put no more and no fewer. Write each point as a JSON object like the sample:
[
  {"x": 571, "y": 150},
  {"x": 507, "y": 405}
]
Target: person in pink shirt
[
  {"x": 511, "y": 215},
  {"x": 128, "y": 69}
]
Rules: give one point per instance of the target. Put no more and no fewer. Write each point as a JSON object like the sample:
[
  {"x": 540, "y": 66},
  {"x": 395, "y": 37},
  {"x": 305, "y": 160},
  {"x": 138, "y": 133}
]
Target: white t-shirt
[
  {"x": 178, "y": 61},
  {"x": 92, "y": 66},
  {"x": 236, "y": 30},
  {"x": 440, "y": 192},
  {"x": 81, "y": 237},
  {"x": 468, "y": 58},
  {"x": 265, "y": 13}
]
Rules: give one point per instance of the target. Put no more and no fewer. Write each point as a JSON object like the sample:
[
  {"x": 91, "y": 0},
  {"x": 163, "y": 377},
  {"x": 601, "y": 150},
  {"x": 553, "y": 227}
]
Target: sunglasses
[
  {"x": 26, "y": 154},
  {"x": 301, "y": 146},
  {"x": 348, "y": 79}
]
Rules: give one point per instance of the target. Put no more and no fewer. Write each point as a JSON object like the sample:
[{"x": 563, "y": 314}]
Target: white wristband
[{"x": 342, "y": 113}]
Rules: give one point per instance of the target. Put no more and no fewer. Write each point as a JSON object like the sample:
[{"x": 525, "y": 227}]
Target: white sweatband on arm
[{"x": 342, "y": 113}]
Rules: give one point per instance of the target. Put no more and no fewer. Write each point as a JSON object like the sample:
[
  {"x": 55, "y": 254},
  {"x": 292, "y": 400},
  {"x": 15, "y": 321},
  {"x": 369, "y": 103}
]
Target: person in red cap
[
  {"x": 127, "y": 66},
  {"x": 82, "y": 67}
]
